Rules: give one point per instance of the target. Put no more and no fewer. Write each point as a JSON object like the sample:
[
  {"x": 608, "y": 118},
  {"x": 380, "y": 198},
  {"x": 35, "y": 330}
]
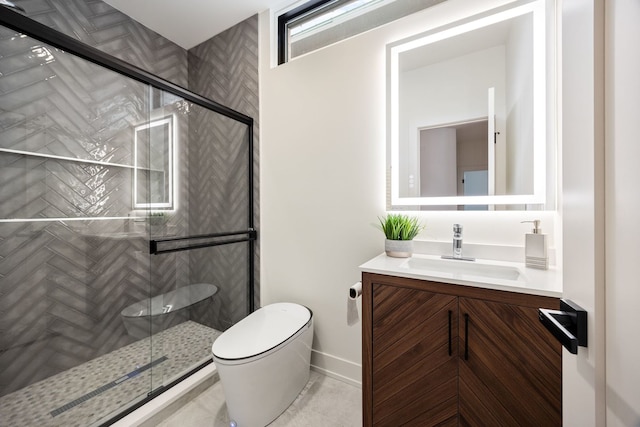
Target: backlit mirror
[
  {"x": 153, "y": 185},
  {"x": 467, "y": 113}
]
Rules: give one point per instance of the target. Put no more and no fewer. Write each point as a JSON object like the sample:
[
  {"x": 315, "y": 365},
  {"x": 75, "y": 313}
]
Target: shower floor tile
[{"x": 89, "y": 393}]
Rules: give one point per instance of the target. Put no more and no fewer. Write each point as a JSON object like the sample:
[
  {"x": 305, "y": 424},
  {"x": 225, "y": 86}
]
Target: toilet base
[{"x": 258, "y": 391}]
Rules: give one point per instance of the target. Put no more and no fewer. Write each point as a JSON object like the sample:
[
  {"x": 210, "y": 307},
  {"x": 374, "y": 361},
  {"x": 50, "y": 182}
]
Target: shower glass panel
[
  {"x": 93, "y": 166},
  {"x": 200, "y": 292},
  {"x": 70, "y": 260}
]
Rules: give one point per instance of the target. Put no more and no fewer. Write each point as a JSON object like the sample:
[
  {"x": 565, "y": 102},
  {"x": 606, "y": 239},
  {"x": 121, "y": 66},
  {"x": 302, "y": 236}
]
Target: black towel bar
[
  {"x": 568, "y": 325},
  {"x": 207, "y": 240}
]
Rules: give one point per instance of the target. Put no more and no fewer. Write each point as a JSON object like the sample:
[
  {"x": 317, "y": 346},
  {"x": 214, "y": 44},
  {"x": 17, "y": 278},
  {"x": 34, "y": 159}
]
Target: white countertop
[{"x": 488, "y": 274}]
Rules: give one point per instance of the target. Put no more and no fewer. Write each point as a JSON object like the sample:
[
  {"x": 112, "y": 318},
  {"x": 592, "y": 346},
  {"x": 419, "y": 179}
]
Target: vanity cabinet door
[
  {"x": 414, "y": 357},
  {"x": 510, "y": 367}
]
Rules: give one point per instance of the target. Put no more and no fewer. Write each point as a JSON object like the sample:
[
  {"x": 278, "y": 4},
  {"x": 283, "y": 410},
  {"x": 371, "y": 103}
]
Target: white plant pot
[{"x": 398, "y": 248}]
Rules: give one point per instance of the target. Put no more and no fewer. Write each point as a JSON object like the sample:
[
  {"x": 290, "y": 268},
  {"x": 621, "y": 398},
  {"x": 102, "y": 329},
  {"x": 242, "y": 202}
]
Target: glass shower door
[
  {"x": 126, "y": 230},
  {"x": 74, "y": 254},
  {"x": 200, "y": 270}
]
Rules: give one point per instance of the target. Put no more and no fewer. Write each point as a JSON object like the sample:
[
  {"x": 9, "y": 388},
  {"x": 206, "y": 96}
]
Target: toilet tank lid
[{"x": 261, "y": 331}]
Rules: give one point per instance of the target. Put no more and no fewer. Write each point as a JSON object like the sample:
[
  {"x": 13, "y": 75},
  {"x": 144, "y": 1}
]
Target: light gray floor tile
[{"x": 324, "y": 402}]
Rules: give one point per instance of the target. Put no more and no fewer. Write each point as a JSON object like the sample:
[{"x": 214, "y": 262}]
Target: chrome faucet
[
  {"x": 457, "y": 245},
  {"x": 457, "y": 241}
]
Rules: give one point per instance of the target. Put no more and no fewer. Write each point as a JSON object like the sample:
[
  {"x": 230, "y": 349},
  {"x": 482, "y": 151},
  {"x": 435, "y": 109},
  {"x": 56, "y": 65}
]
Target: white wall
[
  {"x": 322, "y": 179},
  {"x": 622, "y": 151},
  {"x": 439, "y": 178},
  {"x": 519, "y": 99}
]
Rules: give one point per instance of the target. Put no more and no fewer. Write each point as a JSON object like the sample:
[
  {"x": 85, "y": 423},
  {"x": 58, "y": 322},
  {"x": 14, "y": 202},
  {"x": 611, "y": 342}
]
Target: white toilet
[{"x": 263, "y": 362}]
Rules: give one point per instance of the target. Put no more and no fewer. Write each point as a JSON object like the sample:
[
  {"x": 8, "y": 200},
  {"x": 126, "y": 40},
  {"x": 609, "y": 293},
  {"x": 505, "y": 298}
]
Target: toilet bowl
[{"x": 264, "y": 361}]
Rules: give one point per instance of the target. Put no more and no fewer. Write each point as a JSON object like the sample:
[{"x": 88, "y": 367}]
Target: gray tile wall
[
  {"x": 225, "y": 69},
  {"x": 63, "y": 284},
  {"x": 97, "y": 24}
]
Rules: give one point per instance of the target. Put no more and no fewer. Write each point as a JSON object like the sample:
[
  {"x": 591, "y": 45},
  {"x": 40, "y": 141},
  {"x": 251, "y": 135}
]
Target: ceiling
[
  {"x": 190, "y": 22},
  {"x": 473, "y": 41}
]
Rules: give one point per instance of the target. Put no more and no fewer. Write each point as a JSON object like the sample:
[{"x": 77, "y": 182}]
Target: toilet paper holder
[
  {"x": 354, "y": 292},
  {"x": 568, "y": 325},
  {"x": 352, "y": 308}
]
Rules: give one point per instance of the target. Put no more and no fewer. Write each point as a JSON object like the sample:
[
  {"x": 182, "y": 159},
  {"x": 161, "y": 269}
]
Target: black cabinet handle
[
  {"x": 450, "y": 349},
  {"x": 466, "y": 336}
]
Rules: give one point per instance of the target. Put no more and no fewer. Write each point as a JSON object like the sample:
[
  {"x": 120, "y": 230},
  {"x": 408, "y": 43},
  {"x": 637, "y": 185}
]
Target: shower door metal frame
[{"x": 18, "y": 22}]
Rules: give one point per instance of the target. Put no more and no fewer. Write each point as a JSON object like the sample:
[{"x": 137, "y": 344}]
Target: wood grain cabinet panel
[
  {"x": 512, "y": 373},
  {"x": 445, "y": 355},
  {"x": 414, "y": 364}
]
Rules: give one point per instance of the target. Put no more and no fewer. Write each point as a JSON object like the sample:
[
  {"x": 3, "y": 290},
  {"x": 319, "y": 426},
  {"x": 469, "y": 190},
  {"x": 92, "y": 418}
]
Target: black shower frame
[{"x": 18, "y": 22}]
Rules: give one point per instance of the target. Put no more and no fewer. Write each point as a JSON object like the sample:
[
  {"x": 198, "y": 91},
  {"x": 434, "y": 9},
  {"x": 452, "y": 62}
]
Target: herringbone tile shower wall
[
  {"x": 225, "y": 69},
  {"x": 63, "y": 284},
  {"x": 97, "y": 24}
]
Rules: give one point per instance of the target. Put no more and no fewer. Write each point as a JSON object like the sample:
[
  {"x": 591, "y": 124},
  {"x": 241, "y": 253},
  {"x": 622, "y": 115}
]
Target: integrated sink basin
[
  {"x": 483, "y": 273},
  {"x": 462, "y": 268}
]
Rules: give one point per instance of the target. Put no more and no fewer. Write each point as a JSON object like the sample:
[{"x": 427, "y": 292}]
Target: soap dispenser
[{"x": 536, "y": 247}]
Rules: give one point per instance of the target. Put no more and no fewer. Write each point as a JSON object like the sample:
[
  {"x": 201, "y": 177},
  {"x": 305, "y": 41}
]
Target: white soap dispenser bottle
[{"x": 536, "y": 247}]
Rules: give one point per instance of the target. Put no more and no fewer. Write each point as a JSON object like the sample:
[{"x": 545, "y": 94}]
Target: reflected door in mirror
[{"x": 491, "y": 68}]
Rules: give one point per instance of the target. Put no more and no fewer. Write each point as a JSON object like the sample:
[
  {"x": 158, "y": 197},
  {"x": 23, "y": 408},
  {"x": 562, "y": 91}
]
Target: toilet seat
[{"x": 261, "y": 333}]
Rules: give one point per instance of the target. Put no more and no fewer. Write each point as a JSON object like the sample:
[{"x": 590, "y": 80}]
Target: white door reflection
[{"x": 475, "y": 184}]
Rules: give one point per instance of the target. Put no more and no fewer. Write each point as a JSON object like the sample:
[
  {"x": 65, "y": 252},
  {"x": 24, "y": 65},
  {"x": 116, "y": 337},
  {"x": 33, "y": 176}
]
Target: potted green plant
[
  {"x": 399, "y": 229},
  {"x": 158, "y": 218}
]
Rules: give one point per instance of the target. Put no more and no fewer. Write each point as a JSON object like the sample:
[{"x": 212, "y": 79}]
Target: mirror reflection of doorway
[
  {"x": 448, "y": 152},
  {"x": 474, "y": 183}
]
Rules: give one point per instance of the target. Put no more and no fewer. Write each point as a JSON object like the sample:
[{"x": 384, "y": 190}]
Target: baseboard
[{"x": 337, "y": 367}]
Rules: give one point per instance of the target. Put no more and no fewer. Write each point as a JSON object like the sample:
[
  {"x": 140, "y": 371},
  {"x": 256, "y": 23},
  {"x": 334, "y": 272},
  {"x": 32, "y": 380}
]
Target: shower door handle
[{"x": 206, "y": 241}]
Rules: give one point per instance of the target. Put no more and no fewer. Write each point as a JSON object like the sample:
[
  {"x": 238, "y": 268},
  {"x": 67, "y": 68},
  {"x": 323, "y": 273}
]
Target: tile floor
[{"x": 324, "y": 402}]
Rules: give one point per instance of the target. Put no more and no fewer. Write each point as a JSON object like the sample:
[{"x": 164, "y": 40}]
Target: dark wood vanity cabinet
[
  {"x": 448, "y": 355},
  {"x": 415, "y": 374}
]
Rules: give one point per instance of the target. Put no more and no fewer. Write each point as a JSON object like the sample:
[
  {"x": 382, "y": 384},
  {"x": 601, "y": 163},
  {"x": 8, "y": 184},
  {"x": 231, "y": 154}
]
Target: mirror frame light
[
  {"x": 539, "y": 107},
  {"x": 170, "y": 204}
]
